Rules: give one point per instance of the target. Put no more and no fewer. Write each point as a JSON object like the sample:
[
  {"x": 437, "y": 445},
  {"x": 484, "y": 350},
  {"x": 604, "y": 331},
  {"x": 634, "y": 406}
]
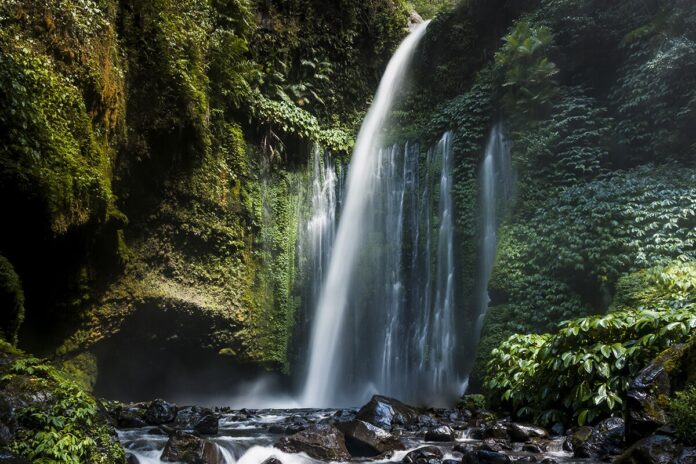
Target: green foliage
[
  {"x": 655, "y": 92},
  {"x": 568, "y": 147},
  {"x": 430, "y": 8},
  {"x": 568, "y": 255},
  {"x": 582, "y": 371},
  {"x": 11, "y": 301},
  {"x": 58, "y": 422},
  {"x": 527, "y": 72},
  {"x": 472, "y": 402},
  {"x": 50, "y": 147},
  {"x": 682, "y": 415},
  {"x": 671, "y": 285},
  {"x": 282, "y": 117}
]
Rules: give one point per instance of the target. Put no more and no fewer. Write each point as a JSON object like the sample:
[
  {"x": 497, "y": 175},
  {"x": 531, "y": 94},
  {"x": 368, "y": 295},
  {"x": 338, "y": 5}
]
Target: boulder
[
  {"x": 441, "y": 433},
  {"x": 385, "y": 412},
  {"x": 485, "y": 457},
  {"x": 324, "y": 442},
  {"x": 6, "y": 457},
  {"x": 365, "y": 439},
  {"x": 184, "y": 447},
  {"x": 558, "y": 430},
  {"x": 272, "y": 460},
  {"x": 525, "y": 432},
  {"x": 424, "y": 455},
  {"x": 130, "y": 416},
  {"x": 649, "y": 391},
  {"x": 491, "y": 444},
  {"x": 198, "y": 419},
  {"x": 606, "y": 440},
  {"x": 536, "y": 448},
  {"x": 656, "y": 449},
  {"x": 497, "y": 430},
  {"x": 577, "y": 437},
  {"x": 160, "y": 412}
]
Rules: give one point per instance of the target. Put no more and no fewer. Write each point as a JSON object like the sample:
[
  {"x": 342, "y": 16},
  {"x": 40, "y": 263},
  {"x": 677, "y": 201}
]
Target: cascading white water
[
  {"x": 495, "y": 186},
  {"x": 320, "y": 384},
  {"x": 443, "y": 323}
]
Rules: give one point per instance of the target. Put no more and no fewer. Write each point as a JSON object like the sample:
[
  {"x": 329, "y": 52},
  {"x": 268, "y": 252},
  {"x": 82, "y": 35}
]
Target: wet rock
[
  {"x": 8, "y": 421},
  {"x": 463, "y": 448},
  {"x": 526, "y": 459},
  {"x": 536, "y": 448},
  {"x": 441, "y": 433},
  {"x": 525, "y": 432},
  {"x": 646, "y": 398},
  {"x": 485, "y": 457},
  {"x": 687, "y": 456},
  {"x": 424, "y": 455},
  {"x": 426, "y": 421},
  {"x": 549, "y": 461},
  {"x": 6, "y": 457},
  {"x": 324, "y": 442},
  {"x": 577, "y": 437},
  {"x": 130, "y": 459},
  {"x": 656, "y": 449},
  {"x": 606, "y": 440},
  {"x": 160, "y": 412},
  {"x": 130, "y": 416},
  {"x": 451, "y": 461},
  {"x": 276, "y": 429},
  {"x": 365, "y": 439},
  {"x": 184, "y": 447},
  {"x": 496, "y": 430},
  {"x": 558, "y": 430},
  {"x": 272, "y": 460},
  {"x": 385, "y": 412},
  {"x": 491, "y": 444},
  {"x": 201, "y": 420},
  {"x": 477, "y": 433}
]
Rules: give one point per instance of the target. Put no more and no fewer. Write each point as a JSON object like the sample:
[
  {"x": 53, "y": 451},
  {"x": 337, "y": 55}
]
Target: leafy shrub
[
  {"x": 526, "y": 69},
  {"x": 58, "y": 422},
  {"x": 472, "y": 402},
  {"x": 571, "y": 251},
  {"x": 672, "y": 285},
  {"x": 682, "y": 415},
  {"x": 583, "y": 370},
  {"x": 568, "y": 147}
]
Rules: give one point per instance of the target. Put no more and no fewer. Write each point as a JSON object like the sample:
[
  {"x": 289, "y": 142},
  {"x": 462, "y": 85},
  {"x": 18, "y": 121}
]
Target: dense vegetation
[{"x": 154, "y": 155}]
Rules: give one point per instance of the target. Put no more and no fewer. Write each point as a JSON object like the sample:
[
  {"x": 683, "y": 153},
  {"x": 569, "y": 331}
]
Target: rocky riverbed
[{"x": 382, "y": 431}]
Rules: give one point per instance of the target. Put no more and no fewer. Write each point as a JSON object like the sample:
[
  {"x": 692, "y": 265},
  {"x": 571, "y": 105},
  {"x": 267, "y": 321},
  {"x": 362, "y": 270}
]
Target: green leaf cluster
[
  {"x": 57, "y": 421},
  {"x": 682, "y": 415},
  {"x": 582, "y": 371},
  {"x": 526, "y": 70}
]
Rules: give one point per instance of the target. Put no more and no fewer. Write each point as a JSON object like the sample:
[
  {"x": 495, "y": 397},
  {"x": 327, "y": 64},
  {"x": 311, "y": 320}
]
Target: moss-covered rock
[{"x": 647, "y": 399}]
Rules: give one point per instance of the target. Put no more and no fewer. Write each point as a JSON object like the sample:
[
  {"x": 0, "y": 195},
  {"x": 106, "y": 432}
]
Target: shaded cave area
[{"x": 163, "y": 352}]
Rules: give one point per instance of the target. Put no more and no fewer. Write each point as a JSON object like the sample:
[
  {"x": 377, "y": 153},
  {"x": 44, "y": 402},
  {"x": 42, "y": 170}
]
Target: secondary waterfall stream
[{"x": 495, "y": 191}]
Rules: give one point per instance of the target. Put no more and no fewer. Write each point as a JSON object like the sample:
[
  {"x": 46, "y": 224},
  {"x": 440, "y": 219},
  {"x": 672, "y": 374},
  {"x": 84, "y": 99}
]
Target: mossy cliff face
[
  {"x": 155, "y": 160},
  {"x": 603, "y": 160}
]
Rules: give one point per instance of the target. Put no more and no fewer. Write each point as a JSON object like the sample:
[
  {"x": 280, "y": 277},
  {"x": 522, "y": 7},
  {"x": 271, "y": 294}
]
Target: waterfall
[
  {"x": 495, "y": 187},
  {"x": 327, "y": 368},
  {"x": 398, "y": 333}
]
